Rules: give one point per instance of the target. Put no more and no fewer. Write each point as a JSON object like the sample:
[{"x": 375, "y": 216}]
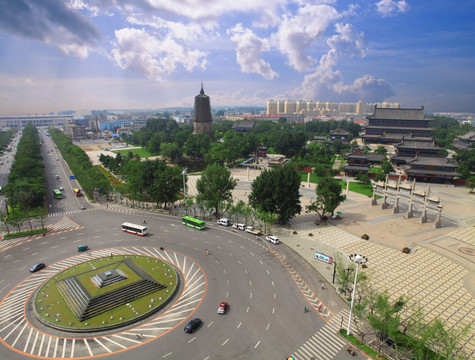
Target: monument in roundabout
[{"x": 105, "y": 293}]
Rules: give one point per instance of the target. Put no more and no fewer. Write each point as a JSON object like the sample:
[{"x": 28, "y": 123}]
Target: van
[
  {"x": 239, "y": 226},
  {"x": 224, "y": 222}
]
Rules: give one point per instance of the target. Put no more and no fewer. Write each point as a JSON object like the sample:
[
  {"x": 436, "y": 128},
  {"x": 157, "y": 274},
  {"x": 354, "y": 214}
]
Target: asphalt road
[{"x": 267, "y": 287}]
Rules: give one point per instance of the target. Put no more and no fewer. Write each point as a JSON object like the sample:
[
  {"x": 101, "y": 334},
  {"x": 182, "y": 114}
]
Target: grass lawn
[
  {"x": 143, "y": 153},
  {"x": 354, "y": 186},
  {"x": 368, "y": 350},
  {"x": 50, "y": 304}
]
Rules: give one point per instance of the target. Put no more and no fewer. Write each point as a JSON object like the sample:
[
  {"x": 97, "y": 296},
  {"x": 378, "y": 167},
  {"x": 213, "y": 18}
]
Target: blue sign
[
  {"x": 324, "y": 258},
  {"x": 72, "y": 177}
]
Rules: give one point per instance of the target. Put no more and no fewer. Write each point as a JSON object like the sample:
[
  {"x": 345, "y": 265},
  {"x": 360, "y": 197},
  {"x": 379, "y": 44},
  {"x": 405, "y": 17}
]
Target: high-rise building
[
  {"x": 271, "y": 107},
  {"x": 301, "y": 107},
  {"x": 202, "y": 115},
  {"x": 280, "y": 107},
  {"x": 290, "y": 107}
]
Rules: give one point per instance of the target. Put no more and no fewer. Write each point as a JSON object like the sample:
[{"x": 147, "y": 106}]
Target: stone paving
[{"x": 437, "y": 273}]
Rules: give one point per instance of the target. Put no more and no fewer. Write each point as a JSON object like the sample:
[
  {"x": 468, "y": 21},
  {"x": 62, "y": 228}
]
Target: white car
[
  {"x": 61, "y": 188},
  {"x": 239, "y": 226},
  {"x": 272, "y": 239},
  {"x": 224, "y": 222}
]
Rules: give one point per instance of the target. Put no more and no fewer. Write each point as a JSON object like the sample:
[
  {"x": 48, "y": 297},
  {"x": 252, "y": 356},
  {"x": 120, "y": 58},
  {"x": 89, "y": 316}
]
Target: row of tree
[
  {"x": 90, "y": 178},
  {"x": 26, "y": 182}
]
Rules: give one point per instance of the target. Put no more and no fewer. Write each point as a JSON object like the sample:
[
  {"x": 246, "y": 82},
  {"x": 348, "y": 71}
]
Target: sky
[{"x": 58, "y": 55}]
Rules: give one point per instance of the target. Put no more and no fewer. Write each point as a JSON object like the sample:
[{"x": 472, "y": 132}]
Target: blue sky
[{"x": 128, "y": 54}]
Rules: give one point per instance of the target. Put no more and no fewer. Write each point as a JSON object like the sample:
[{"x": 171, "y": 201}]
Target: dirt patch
[{"x": 90, "y": 147}]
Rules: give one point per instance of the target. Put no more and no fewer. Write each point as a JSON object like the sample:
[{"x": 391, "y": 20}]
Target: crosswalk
[
  {"x": 19, "y": 332},
  {"x": 114, "y": 208},
  {"x": 326, "y": 343}
]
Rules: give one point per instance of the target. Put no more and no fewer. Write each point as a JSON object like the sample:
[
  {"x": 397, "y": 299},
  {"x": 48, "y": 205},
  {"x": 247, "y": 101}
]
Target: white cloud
[
  {"x": 249, "y": 49},
  {"x": 391, "y": 7},
  {"x": 209, "y": 9},
  {"x": 326, "y": 82},
  {"x": 187, "y": 32},
  {"x": 296, "y": 34},
  {"x": 153, "y": 56}
]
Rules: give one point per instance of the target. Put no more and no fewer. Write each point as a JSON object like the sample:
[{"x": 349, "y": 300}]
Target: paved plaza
[{"x": 439, "y": 271}]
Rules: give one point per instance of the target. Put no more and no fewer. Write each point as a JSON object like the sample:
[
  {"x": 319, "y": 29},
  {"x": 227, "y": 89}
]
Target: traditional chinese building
[
  {"x": 409, "y": 148},
  {"x": 339, "y": 134},
  {"x": 390, "y": 126},
  {"x": 202, "y": 115},
  {"x": 357, "y": 162},
  {"x": 466, "y": 141},
  {"x": 436, "y": 169}
]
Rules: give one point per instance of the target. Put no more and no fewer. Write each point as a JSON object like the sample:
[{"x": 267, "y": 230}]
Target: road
[{"x": 266, "y": 285}]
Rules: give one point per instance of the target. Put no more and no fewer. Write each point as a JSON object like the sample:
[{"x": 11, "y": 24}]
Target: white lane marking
[
  {"x": 250, "y": 283},
  {"x": 272, "y": 281},
  {"x": 105, "y": 347},
  {"x": 247, "y": 310},
  {"x": 257, "y": 344},
  {"x": 64, "y": 347},
  {"x": 16, "y": 261},
  {"x": 25, "y": 248},
  {"x": 267, "y": 328},
  {"x": 55, "y": 347},
  {"x": 250, "y": 296},
  {"x": 273, "y": 310},
  {"x": 166, "y": 355},
  {"x": 239, "y": 325},
  {"x": 189, "y": 341},
  {"x": 35, "y": 253},
  {"x": 88, "y": 347},
  {"x": 224, "y": 343},
  {"x": 28, "y": 340},
  {"x": 210, "y": 323},
  {"x": 54, "y": 247}
]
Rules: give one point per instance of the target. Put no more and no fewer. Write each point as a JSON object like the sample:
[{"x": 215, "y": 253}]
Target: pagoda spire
[{"x": 202, "y": 91}]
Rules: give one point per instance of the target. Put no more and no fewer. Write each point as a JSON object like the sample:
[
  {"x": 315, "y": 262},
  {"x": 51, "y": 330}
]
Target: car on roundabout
[
  {"x": 193, "y": 325},
  {"x": 223, "y": 308},
  {"x": 83, "y": 207},
  {"x": 37, "y": 267},
  {"x": 83, "y": 248}
]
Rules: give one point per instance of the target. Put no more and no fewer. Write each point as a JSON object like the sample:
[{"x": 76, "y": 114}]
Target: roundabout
[{"x": 59, "y": 341}]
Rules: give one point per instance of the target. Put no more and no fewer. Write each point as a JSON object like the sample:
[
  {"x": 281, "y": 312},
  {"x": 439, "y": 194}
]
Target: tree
[
  {"x": 171, "y": 151},
  {"x": 387, "y": 167},
  {"x": 471, "y": 183},
  {"x": 277, "y": 191},
  {"x": 329, "y": 197},
  {"x": 363, "y": 178},
  {"x": 215, "y": 186},
  {"x": 381, "y": 150}
]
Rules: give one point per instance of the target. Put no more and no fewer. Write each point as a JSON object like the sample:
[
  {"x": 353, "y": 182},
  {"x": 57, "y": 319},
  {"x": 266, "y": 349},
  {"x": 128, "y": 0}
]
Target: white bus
[{"x": 134, "y": 229}]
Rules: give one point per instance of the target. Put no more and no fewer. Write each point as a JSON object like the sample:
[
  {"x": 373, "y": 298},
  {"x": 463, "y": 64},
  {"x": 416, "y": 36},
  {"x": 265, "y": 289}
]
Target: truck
[{"x": 251, "y": 230}]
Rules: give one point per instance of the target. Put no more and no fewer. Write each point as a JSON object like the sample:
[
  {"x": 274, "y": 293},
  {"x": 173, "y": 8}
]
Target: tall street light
[
  {"x": 357, "y": 259},
  {"x": 184, "y": 183}
]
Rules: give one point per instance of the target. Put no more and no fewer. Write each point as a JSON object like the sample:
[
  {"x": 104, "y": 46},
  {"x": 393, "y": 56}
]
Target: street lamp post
[
  {"x": 184, "y": 183},
  {"x": 357, "y": 259}
]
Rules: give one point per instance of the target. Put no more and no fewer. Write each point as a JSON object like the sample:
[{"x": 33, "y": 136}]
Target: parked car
[
  {"x": 193, "y": 325},
  {"x": 251, "y": 230},
  {"x": 272, "y": 239},
  {"x": 223, "y": 307},
  {"x": 37, "y": 267},
  {"x": 224, "y": 222},
  {"x": 239, "y": 226},
  {"x": 61, "y": 188}
]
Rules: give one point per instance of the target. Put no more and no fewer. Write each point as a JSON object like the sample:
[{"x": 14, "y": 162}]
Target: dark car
[
  {"x": 83, "y": 248},
  {"x": 193, "y": 325},
  {"x": 37, "y": 267}
]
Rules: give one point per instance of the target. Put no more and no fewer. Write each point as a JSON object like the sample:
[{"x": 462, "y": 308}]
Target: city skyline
[{"x": 98, "y": 54}]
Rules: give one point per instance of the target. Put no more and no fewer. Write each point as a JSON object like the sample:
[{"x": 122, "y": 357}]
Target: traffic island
[{"x": 105, "y": 293}]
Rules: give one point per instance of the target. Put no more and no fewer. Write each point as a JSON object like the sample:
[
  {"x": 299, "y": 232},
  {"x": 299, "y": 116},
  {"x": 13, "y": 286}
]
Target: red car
[{"x": 223, "y": 307}]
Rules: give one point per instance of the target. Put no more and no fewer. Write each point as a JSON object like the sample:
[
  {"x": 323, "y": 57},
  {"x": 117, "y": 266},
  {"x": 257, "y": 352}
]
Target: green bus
[
  {"x": 197, "y": 224},
  {"x": 58, "y": 194}
]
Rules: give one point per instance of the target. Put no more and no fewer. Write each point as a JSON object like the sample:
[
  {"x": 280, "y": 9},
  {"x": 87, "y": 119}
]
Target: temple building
[
  {"x": 202, "y": 114},
  {"x": 390, "y": 125}
]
